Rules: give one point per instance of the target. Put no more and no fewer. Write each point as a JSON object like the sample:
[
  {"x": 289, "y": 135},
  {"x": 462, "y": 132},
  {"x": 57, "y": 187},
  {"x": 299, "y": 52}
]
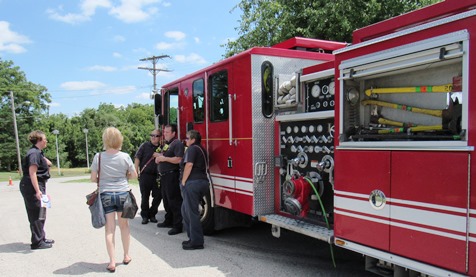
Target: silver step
[{"x": 298, "y": 226}]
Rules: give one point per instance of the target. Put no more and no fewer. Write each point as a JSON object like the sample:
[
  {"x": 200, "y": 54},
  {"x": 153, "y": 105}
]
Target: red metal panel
[
  {"x": 429, "y": 207},
  {"x": 357, "y": 174},
  {"x": 427, "y": 14}
]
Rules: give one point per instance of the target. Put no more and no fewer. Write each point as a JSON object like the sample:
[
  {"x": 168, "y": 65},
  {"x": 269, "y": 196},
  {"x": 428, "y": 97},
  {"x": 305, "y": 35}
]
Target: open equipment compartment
[{"x": 412, "y": 95}]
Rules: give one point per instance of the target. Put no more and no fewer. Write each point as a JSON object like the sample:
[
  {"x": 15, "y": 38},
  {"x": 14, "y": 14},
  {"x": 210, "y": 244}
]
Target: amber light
[{"x": 339, "y": 242}]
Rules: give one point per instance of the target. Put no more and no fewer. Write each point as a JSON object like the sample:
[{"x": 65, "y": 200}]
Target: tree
[
  {"x": 268, "y": 22},
  {"x": 31, "y": 101}
]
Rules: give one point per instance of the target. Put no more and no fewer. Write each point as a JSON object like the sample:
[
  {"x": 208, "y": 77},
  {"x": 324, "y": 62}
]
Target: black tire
[{"x": 207, "y": 215}]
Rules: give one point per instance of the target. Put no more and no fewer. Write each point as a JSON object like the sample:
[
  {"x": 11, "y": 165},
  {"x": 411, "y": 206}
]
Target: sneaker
[
  {"x": 186, "y": 241},
  {"x": 42, "y": 245},
  {"x": 153, "y": 220},
  {"x": 174, "y": 231},
  {"x": 145, "y": 221},
  {"x": 164, "y": 225},
  {"x": 189, "y": 246},
  {"x": 50, "y": 241}
]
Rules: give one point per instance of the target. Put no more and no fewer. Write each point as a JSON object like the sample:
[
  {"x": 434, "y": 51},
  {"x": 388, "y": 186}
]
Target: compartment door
[
  {"x": 429, "y": 207},
  {"x": 357, "y": 175}
]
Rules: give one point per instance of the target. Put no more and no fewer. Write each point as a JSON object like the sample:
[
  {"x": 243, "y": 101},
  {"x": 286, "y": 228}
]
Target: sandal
[
  {"x": 111, "y": 269},
  {"x": 126, "y": 262}
]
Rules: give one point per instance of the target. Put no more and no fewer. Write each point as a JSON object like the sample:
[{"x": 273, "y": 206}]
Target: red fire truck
[{"x": 366, "y": 146}]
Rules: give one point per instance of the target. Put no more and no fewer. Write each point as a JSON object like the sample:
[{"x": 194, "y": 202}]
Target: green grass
[{"x": 65, "y": 172}]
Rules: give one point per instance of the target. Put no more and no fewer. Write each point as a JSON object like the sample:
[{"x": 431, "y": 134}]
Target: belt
[{"x": 167, "y": 172}]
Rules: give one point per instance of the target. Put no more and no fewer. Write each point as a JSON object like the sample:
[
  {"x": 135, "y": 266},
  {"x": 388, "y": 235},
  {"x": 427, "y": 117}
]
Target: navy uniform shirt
[
  {"x": 145, "y": 152},
  {"x": 35, "y": 156},
  {"x": 175, "y": 149}
]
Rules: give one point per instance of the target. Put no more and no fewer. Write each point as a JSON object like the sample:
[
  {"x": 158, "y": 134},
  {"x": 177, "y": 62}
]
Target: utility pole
[{"x": 154, "y": 70}]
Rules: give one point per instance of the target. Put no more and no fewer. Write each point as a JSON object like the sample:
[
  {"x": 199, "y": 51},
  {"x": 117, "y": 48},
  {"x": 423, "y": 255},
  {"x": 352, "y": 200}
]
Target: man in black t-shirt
[
  {"x": 169, "y": 179},
  {"x": 147, "y": 171}
]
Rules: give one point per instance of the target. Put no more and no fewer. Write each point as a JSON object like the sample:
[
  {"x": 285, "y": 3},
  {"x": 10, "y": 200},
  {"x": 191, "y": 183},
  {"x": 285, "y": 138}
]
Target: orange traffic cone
[{"x": 10, "y": 182}]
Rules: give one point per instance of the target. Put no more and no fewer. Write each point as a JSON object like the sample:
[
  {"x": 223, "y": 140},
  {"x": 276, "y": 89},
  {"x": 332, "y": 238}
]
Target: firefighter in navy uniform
[
  {"x": 169, "y": 171},
  {"x": 33, "y": 187},
  {"x": 144, "y": 162}
]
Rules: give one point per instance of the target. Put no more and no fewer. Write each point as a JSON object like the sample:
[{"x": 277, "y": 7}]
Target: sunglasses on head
[{"x": 154, "y": 136}]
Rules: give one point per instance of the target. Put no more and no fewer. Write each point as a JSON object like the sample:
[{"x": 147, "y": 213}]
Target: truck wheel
[{"x": 206, "y": 215}]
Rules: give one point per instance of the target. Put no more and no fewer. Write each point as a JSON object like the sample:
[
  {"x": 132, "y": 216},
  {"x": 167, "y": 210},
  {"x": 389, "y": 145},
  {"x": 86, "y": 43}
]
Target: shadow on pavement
[
  {"x": 82, "y": 268},
  {"x": 15, "y": 247}
]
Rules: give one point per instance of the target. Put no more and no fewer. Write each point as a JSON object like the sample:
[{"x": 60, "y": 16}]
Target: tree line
[{"x": 263, "y": 23}]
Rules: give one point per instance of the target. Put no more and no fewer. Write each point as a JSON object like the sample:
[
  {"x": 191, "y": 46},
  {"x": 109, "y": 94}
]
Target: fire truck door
[
  {"x": 220, "y": 137},
  {"x": 430, "y": 206},
  {"x": 362, "y": 183}
]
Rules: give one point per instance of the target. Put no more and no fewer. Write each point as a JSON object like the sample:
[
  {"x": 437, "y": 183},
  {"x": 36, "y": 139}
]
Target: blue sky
[{"x": 87, "y": 52}]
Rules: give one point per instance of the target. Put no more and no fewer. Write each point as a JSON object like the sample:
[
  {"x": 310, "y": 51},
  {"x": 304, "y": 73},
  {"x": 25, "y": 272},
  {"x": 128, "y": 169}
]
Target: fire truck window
[
  {"x": 218, "y": 83},
  {"x": 267, "y": 89},
  {"x": 170, "y": 106},
  {"x": 198, "y": 104}
]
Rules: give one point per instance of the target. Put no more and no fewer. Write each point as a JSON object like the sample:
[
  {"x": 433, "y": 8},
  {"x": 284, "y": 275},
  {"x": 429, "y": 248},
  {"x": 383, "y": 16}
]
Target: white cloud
[
  {"x": 54, "y": 104},
  {"x": 128, "y": 11},
  {"x": 119, "y": 38},
  {"x": 117, "y": 55},
  {"x": 134, "y": 10},
  {"x": 82, "y": 85},
  {"x": 167, "y": 45},
  {"x": 104, "y": 68},
  {"x": 164, "y": 45},
  {"x": 144, "y": 96},
  {"x": 10, "y": 41},
  {"x": 87, "y": 7},
  {"x": 177, "y": 35},
  {"x": 197, "y": 40},
  {"x": 192, "y": 58},
  {"x": 122, "y": 90}
]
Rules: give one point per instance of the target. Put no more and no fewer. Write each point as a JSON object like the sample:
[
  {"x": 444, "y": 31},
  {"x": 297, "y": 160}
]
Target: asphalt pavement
[{"x": 80, "y": 249}]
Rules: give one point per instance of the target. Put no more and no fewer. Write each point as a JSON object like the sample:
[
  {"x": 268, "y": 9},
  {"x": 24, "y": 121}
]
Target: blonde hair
[{"x": 112, "y": 138}]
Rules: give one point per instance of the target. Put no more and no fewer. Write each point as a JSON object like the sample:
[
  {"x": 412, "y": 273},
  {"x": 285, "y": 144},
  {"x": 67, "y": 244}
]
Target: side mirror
[{"x": 157, "y": 103}]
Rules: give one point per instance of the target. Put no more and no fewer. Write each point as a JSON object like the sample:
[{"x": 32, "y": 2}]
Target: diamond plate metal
[
  {"x": 263, "y": 128},
  {"x": 299, "y": 226}
]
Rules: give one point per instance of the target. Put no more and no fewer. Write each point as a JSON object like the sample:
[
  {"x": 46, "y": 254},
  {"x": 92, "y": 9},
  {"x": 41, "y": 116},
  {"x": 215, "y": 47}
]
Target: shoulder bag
[
  {"x": 130, "y": 207},
  {"x": 98, "y": 218}
]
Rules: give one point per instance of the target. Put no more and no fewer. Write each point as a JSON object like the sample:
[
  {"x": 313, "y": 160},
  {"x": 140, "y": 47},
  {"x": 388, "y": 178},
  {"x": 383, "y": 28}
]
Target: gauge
[
  {"x": 288, "y": 129},
  {"x": 311, "y": 129},
  {"x": 315, "y": 91},
  {"x": 325, "y": 89},
  {"x": 304, "y": 129},
  {"x": 330, "y": 129},
  {"x": 332, "y": 87},
  {"x": 296, "y": 129},
  {"x": 319, "y": 128}
]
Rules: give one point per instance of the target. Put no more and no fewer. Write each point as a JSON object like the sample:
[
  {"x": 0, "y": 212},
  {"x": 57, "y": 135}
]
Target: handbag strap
[{"x": 99, "y": 168}]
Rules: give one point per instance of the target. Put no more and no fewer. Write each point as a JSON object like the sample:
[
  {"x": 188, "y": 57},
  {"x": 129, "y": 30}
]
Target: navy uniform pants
[
  {"x": 148, "y": 186},
  {"x": 193, "y": 192},
  {"x": 170, "y": 186},
  {"x": 32, "y": 205}
]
